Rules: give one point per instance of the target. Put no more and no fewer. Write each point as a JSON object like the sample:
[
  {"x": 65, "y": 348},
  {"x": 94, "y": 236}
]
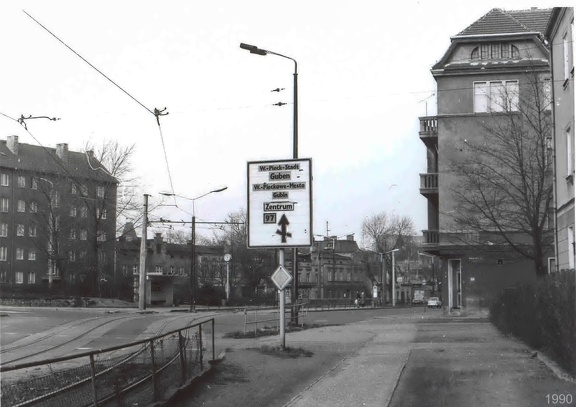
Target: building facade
[
  {"x": 560, "y": 36},
  {"x": 482, "y": 82},
  {"x": 168, "y": 268},
  {"x": 337, "y": 269},
  {"x": 57, "y": 220}
]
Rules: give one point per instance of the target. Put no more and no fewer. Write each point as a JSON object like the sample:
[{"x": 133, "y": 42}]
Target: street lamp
[
  {"x": 193, "y": 260},
  {"x": 259, "y": 51},
  {"x": 393, "y": 276}
]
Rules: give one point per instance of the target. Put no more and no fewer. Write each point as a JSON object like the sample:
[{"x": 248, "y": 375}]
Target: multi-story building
[
  {"x": 168, "y": 269},
  {"x": 57, "y": 220},
  {"x": 337, "y": 269},
  {"x": 560, "y": 36},
  {"x": 482, "y": 80}
]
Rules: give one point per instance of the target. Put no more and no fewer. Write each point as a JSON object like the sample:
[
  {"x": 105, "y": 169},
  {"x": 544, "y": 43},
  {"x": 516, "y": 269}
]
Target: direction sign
[
  {"x": 280, "y": 203},
  {"x": 281, "y": 277}
]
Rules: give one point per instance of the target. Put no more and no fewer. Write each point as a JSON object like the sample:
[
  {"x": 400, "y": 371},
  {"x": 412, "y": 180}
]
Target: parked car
[{"x": 434, "y": 302}]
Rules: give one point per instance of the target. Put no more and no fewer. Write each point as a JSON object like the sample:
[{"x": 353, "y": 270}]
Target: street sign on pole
[
  {"x": 281, "y": 277},
  {"x": 280, "y": 203}
]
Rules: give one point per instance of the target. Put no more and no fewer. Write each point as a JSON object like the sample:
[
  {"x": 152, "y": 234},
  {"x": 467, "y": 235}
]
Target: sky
[{"x": 363, "y": 81}]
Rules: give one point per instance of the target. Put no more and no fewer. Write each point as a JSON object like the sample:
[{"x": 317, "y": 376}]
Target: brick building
[{"x": 57, "y": 220}]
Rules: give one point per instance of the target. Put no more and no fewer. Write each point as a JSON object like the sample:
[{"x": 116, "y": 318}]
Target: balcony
[
  {"x": 429, "y": 184},
  {"x": 431, "y": 237},
  {"x": 429, "y": 130}
]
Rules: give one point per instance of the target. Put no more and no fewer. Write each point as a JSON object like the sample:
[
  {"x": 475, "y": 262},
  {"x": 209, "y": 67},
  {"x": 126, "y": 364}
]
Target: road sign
[
  {"x": 280, "y": 203},
  {"x": 281, "y": 278}
]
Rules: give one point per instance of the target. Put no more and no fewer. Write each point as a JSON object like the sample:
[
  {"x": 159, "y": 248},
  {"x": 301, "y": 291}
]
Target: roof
[
  {"x": 44, "y": 160},
  {"x": 499, "y": 21}
]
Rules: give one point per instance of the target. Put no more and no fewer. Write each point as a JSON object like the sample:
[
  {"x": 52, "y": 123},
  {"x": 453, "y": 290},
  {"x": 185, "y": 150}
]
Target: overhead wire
[{"x": 156, "y": 112}]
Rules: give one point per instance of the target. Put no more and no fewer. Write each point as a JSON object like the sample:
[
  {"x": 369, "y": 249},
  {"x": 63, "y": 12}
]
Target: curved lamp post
[
  {"x": 193, "y": 255},
  {"x": 259, "y": 51}
]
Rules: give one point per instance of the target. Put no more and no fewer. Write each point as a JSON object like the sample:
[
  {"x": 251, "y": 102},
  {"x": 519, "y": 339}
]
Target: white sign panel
[
  {"x": 281, "y": 277},
  {"x": 280, "y": 203}
]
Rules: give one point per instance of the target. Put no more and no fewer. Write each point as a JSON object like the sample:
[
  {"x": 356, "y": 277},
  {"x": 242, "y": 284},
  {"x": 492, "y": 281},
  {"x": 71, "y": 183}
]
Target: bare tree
[
  {"x": 112, "y": 159},
  {"x": 504, "y": 193},
  {"x": 385, "y": 232}
]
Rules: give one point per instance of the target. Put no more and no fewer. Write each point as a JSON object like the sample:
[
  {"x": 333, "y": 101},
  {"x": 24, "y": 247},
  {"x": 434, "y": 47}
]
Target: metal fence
[{"x": 139, "y": 373}]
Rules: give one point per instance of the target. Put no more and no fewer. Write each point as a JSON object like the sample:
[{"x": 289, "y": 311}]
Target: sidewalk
[{"x": 383, "y": 362}]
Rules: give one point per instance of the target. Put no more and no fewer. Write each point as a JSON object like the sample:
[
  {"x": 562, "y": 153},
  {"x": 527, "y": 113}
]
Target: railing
[
  {"x": 431, "y": 237},
  {"x": 428, "y": 125},
  {"x": 429, "y": 182},
  {"x": 302, "y": 312},
  {"x": 138, "y": 373}
]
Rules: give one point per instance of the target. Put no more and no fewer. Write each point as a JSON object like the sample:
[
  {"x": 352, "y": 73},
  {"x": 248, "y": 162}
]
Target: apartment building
[
  {"x": 560, "y": 37},
  {"x": 57, "y": 220},
  {"x": 491, "y": 71},
  {"x": 337, "y": 269}
]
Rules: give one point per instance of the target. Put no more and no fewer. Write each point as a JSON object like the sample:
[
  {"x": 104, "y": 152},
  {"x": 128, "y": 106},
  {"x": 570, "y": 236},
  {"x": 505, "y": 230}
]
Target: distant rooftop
[{"x": 499, "y": 21}]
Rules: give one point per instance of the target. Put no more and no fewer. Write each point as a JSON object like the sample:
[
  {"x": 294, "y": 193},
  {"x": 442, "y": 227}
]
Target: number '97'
[{"x": 559, "y": 398}]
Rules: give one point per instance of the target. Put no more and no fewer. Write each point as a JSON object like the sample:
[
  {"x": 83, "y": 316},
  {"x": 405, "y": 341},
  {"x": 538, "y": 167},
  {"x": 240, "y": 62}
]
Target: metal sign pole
[{"x": 282, "y": 300}]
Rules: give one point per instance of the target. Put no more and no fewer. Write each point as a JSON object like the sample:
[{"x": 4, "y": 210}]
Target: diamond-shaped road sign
[{"x": 281, "y": 277}]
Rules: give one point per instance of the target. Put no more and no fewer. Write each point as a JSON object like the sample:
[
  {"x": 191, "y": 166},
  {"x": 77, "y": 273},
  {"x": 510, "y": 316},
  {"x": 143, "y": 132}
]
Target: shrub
[{"x": 543, "y": 315}]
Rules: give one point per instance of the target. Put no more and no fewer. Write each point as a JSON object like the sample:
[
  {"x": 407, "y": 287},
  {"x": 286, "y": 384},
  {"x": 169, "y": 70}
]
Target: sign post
[
  {"x": 280, "y": 214},
  {"x": 281, "y": 278},
  {"x": 280, "y": 204}
]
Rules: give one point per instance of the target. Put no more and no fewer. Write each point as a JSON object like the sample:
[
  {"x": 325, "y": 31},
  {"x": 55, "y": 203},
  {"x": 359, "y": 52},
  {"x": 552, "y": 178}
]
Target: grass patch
[
  {"x": 286, "y": 352},
  {"x": 270, "y": 331}
]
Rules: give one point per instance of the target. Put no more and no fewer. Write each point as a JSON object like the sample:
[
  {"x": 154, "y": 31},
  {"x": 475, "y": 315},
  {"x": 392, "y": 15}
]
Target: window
[
  {"x": 4, "y": 180},
  {"x": 101, "y": 236},
  {"x": 102, "y": 257},
  {"x": 101, "y": 213},
  {"x": 495, "y": 96},
  {"x": 566, "y": 47},
  {"x": 100, "y": 192},
  {"x": 569, "y": 152},
  {"x": 547, "y": 90},
  {"x": 3, "y": 253},
  {"x": 83, "y": 254},
  {"x": 73, "y": 211},
  {"x": 172, "y": 270},
  {"x": 83, "y": 234},
  {"x": 84, "y": 190},
  {"x": 73, "y": 189},
  {"x": 4, "y": 205},
  {"x": 32, "y": 230},
  {"x": 2, "y": 276},
  {"x": 19, "y": 277},
  {"x": 20, "y": 230},
  {"x": 21, "y": 181},
  {"x": 31, "y": 254},
  {"x": 124, "y": 270},
  {"x": 570, "y": 247},
  {"x": 3, "y": 230},
  {"x": 159, "y": 269},
  {"x": 33, "y": 207},
  {"x": 31, "y": 277},
  {"x": 495, "y": 51},
  {"x": 21, "y": 206},
  {"x": 19, "y": 253},
  {"x": 135, "y": 269},
  {"x": 55, "y": 199},
  {"x": 71, "y": 256},
  {"x": 73, "y": 234},
  {"x": 181, "y": 271},
  {"x": 34, "y": 183},
  {"x": 83, "y": 212}
]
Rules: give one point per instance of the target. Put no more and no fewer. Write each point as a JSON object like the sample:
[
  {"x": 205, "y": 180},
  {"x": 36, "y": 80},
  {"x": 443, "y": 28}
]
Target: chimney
[
  {"x": 12, "y": 144},
  {"x": 350, "y": 237},
  {"x": 62, "y": 151}
]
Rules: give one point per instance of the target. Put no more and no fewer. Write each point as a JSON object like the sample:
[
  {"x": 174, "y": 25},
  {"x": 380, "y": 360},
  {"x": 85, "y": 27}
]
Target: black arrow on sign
[{"x": 283, "y": 224}]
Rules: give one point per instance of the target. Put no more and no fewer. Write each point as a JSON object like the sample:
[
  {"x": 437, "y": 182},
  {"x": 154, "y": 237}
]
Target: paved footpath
[{"x": 426, "y": 359}]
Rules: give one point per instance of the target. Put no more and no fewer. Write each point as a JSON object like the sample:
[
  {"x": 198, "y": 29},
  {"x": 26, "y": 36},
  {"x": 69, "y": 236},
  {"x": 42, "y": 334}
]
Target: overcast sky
[{"x": 364, "y": 79}]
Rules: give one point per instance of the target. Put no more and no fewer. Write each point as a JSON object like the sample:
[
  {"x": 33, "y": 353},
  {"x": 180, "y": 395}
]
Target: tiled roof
[
  {"x": 498, "y": 21},
  {"x": 45, "y": 160}
]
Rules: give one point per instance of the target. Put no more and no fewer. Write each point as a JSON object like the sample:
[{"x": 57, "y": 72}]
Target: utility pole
[{"x": 142, "y": 285}]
